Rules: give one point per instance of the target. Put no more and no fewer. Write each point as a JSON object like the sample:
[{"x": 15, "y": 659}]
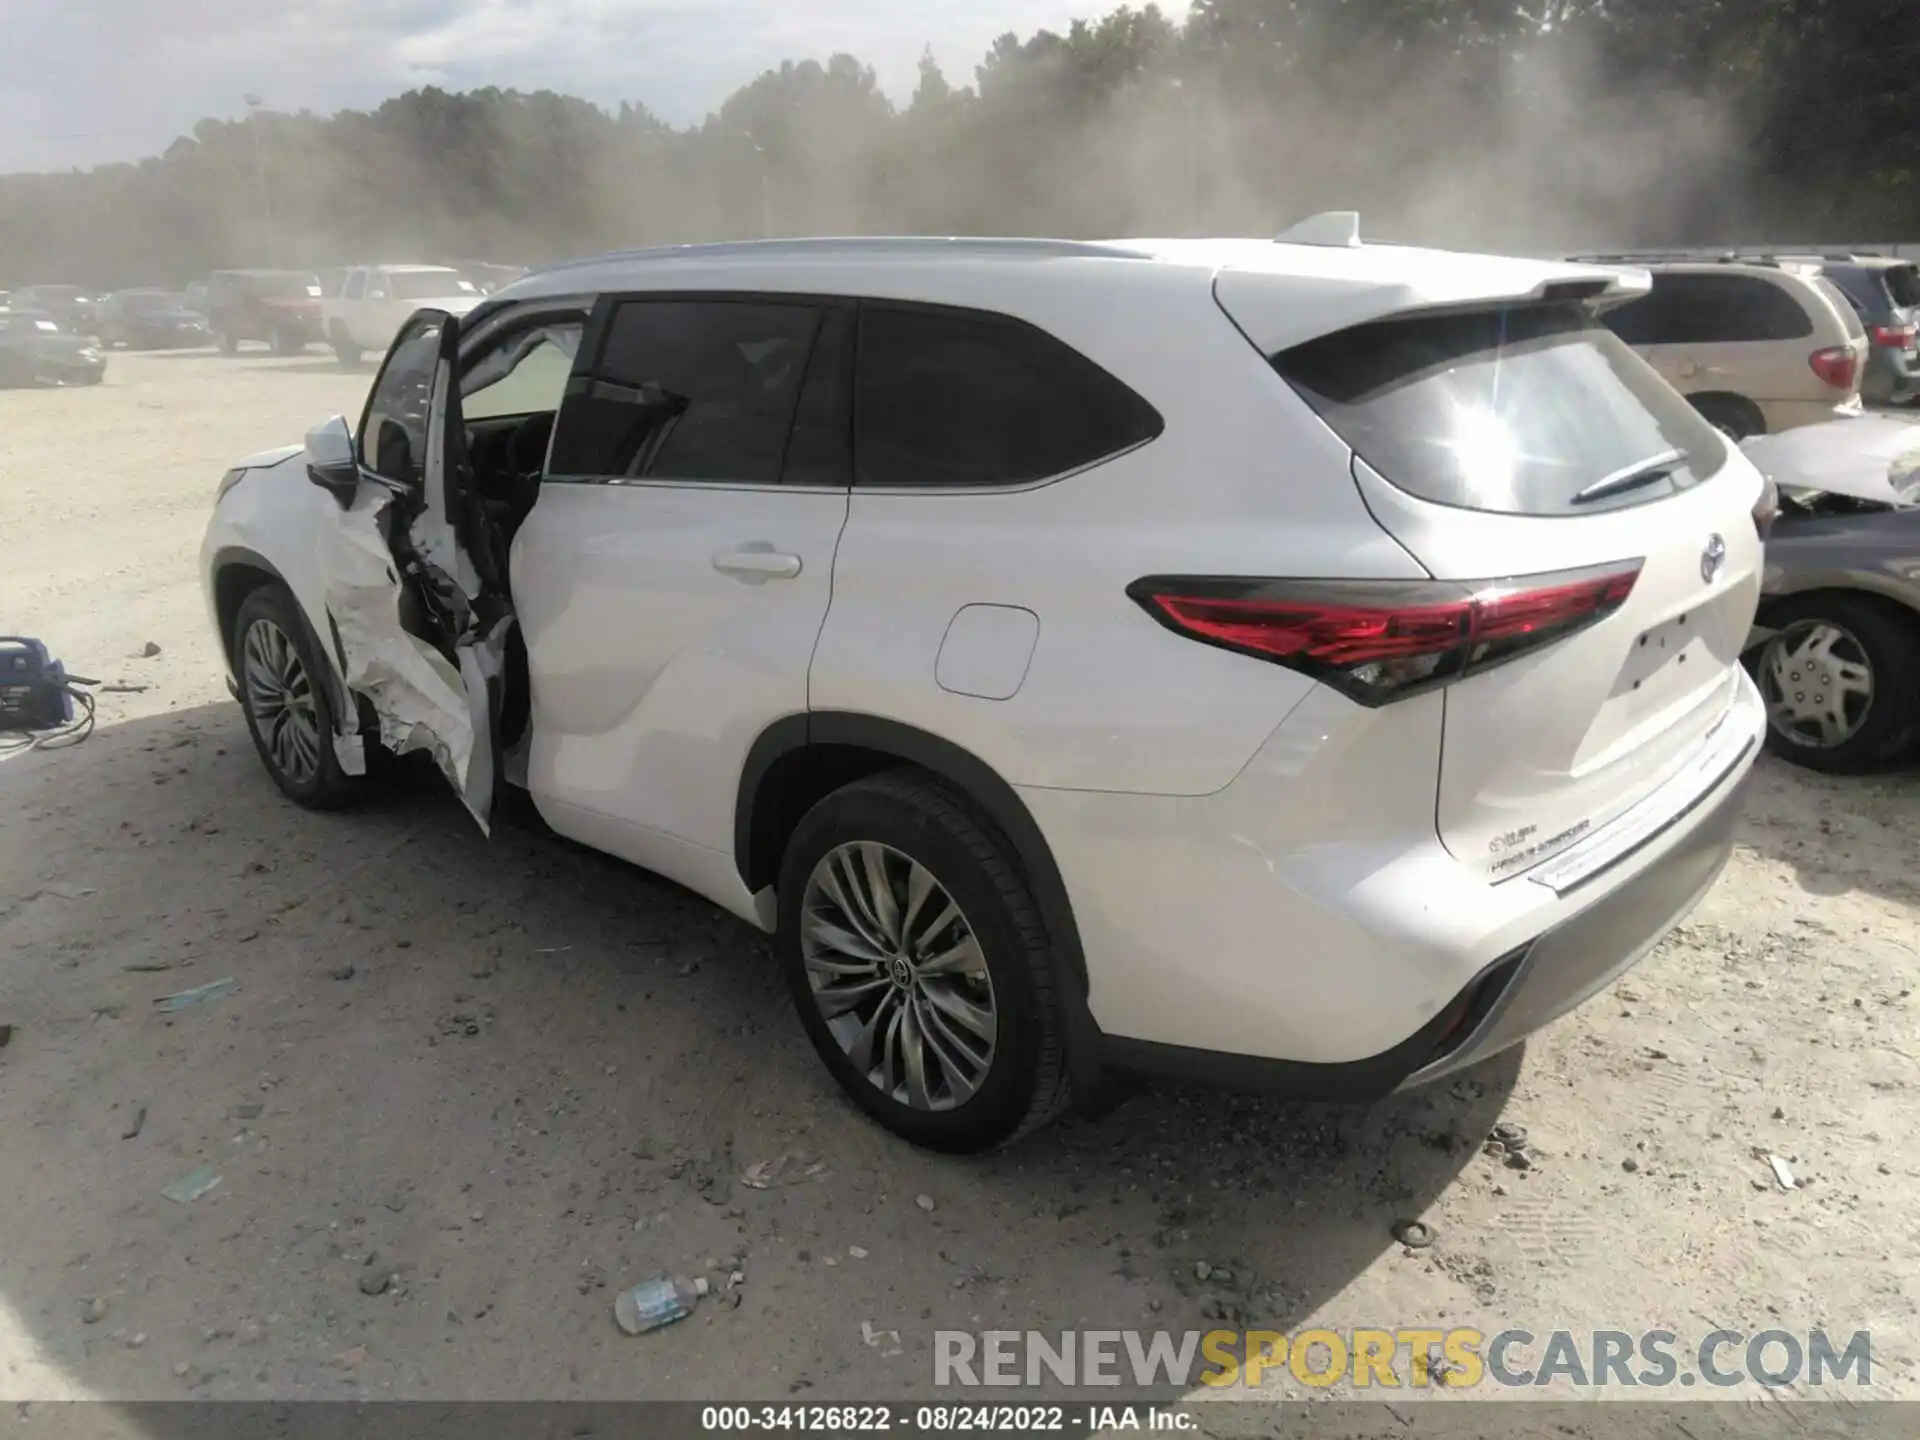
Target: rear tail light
[
  {"x": 1835, "y": 366},
  {"x": 1381, "y": 640},
  {"x": 1897, "y": 337}
]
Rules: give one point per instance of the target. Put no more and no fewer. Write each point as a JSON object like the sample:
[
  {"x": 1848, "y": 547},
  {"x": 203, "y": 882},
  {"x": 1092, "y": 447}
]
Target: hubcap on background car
[
  {"x": 898, "y": 975},
  {"x": 280, "y": 699},
  {"x": 1818, "y": 684}
]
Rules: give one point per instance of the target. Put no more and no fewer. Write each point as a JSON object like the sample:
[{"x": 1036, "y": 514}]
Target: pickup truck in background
[
  {"x": 279, "y": 307},
  {"x": 372, "y": 302}
]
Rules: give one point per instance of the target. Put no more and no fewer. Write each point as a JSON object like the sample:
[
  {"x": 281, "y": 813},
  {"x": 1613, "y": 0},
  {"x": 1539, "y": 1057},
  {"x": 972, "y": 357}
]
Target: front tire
[
  {"x": 288, "y": 342},
  {"x": 284, "y": 693},
  {"x": 1841, "y": 680},
  {"x": 228, "y": 342},
  {"x": 344, "y": 350},
  {"x": 920, "y": 965}
]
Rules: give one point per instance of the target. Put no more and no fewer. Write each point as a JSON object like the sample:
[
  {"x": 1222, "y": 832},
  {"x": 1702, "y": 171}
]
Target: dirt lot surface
[{"x": 494, "y": 1081}]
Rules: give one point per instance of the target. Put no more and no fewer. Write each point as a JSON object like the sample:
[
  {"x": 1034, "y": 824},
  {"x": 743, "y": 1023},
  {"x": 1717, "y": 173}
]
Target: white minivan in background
[{"x": 1758, "y": 346}]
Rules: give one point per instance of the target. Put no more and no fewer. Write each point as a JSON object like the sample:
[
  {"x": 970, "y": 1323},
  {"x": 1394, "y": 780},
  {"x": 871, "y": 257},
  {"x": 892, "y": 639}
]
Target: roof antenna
[{"x": 1340, "y": 228}]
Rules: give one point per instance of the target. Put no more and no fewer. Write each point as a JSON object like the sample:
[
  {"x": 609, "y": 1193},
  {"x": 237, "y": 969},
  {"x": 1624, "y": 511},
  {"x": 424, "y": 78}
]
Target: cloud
[{"x": 87, "y": 81}]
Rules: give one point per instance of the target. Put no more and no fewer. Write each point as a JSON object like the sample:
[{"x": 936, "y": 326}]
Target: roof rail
[{"x": 1337, "y": 228}]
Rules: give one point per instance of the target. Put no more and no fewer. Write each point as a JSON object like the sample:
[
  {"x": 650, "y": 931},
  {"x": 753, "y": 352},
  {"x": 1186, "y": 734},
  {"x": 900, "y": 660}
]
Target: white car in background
[
  {"x": 371, "y": 302},
  {"x": 1305, "y": 664}
]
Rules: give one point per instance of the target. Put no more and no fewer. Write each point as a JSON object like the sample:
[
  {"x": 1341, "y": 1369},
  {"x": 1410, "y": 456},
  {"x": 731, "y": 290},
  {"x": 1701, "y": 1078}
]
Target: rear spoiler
[{"x": 1279, "y": 307}]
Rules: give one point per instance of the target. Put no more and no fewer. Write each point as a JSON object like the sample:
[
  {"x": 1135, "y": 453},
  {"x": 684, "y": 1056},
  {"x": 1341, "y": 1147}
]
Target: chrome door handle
[{"x": 756, "y": 562}]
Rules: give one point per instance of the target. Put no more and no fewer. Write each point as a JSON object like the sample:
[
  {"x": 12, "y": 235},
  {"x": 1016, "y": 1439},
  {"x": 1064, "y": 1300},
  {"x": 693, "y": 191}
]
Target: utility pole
[
  {"x": 260, "y": 174},
  {"x": 766, "y": 201}
]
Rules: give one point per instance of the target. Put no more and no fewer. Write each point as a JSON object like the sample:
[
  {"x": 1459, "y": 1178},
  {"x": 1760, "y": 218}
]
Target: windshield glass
[
  {"x": 429, "y": 284},
  {"x": 283, "y": 286},
  {"x": 1527, "y": 410},
  {"x": 140, "y": 302}
]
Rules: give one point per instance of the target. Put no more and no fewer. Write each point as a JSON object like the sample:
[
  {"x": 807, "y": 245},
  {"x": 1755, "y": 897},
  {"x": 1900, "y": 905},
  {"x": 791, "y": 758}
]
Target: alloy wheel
[
  {"x": 898, "y": 975},
  {"x": 281, "y": 702},
  {"x": 1818, "y": 684}
]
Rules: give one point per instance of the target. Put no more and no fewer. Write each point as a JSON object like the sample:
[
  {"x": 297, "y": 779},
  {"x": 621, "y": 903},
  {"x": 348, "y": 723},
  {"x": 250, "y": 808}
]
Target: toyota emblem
[{"x": 1712, "y": 558}]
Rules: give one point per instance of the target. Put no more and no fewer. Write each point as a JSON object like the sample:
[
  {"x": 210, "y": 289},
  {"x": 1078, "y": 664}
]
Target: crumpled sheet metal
[{"x": 420, "y": 699}]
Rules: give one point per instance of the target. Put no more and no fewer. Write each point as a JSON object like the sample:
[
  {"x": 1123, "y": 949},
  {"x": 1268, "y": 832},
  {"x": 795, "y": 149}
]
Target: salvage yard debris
[
  {"x": 789, "y": 1169},
  {"x": 199, "y": 995},
  {"x": 192, "y": 1185},
  {"x": 654, "y": 1303}
]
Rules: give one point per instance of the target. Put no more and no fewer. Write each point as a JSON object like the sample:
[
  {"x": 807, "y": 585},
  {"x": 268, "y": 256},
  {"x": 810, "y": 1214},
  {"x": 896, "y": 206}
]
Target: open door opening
[{"x": 415, "y": 587}]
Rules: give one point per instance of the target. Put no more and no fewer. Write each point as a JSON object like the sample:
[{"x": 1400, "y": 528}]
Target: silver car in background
[{"x": 1836, "y": 645}]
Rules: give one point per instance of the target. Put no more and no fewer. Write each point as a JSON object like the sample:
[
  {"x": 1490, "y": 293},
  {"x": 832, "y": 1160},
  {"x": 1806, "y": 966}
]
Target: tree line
[{"x": 1517, "y": 124}]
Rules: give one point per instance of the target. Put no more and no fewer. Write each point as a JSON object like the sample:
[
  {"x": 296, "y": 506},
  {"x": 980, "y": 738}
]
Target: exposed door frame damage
[{"x": 402, "y": 593}]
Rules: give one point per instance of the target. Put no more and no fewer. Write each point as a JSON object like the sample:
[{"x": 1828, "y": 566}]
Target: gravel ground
[{"x": 492, "y": 1082}]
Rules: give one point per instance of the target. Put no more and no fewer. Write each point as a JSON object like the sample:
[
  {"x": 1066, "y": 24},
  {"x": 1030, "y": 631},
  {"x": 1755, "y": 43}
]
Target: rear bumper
[
  {"x": 1892, "y": 375},
  {"x": 1330, "y": 965},
  {"x": 75, "y": 372},
  {"x": 1792, "y": 414},
  {"x": 1580, "y": 957}
]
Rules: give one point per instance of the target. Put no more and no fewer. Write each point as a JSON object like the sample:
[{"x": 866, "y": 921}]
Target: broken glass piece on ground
[
  {"x": 192, "y": 1185},
  {"x": 212, "y": 990}
]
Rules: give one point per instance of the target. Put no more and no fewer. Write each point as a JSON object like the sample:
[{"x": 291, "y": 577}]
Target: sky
[{"x": 87, "y": 81}]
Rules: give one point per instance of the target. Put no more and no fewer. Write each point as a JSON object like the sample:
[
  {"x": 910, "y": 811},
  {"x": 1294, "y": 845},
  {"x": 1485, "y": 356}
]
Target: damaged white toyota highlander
[{"x": 1308, "y": 665}]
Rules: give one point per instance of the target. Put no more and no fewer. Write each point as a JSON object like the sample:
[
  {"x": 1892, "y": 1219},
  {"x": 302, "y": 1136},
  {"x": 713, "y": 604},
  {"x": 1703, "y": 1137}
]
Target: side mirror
[{"x": 331, "y": 463}]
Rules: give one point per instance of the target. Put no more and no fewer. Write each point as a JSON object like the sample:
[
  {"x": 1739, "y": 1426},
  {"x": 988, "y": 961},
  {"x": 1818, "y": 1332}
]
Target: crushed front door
[{"x": 419, "y": 617}]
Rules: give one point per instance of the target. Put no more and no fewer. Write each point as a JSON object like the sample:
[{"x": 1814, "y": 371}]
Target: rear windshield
[
  {"x": 1522, "y": 410},
  {"x": 1903, "y": 284}
]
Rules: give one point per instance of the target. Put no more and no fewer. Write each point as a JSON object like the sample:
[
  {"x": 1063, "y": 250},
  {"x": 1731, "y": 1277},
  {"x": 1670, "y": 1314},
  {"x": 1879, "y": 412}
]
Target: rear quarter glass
[{"x": 1517, "y": 410}]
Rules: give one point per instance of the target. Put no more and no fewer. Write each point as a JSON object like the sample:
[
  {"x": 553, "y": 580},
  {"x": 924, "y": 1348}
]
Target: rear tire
[
  {"x": 1827, "y": 637},
  {"x": 228, "y": 342},
  {"x": 947, "y": 1031},
  {"x": 288, "y": 342},
  {"x": 284, "y": 693},
  {"x": 1732, "y": 415}
]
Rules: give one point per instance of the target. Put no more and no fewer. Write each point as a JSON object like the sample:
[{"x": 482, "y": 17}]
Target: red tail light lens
[
  {"x": 1376, "y": 641},
  {"x": 1835, "y": 366},
  {"x": 1896, "y": 337}
]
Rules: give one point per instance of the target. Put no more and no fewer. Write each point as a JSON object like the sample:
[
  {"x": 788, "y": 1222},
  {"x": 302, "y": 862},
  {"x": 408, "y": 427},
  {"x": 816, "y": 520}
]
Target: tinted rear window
[
  {"x": 1690, "y": 309},
  {"x": 956, "y": 398},
  {"x": 1903, "y": 283},
  {"x": 1515, "y": 410},
  {"x": 689, "y": 390}
]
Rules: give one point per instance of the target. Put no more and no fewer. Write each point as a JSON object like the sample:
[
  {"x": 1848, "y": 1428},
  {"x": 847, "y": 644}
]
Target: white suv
[
  {"x": 1307, "y": 664},
  {"x": 370, "y": 303}
]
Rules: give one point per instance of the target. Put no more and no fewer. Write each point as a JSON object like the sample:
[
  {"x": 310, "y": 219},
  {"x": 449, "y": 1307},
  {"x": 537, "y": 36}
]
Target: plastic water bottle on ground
[{"x": 653, "y": 1303}]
